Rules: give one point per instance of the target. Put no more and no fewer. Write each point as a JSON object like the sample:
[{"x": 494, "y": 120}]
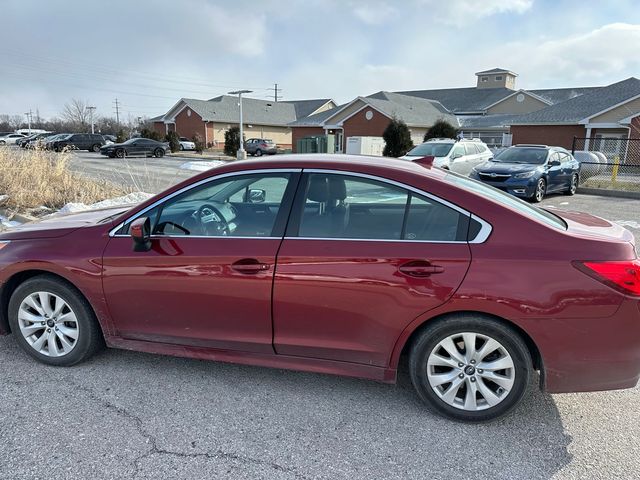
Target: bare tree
[{"x": 76, "y": 113}]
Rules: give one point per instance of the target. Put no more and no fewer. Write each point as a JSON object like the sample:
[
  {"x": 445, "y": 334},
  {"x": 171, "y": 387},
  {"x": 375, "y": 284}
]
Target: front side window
[
  {"x": 348, "y": 207},
  {"x": 238, "y": 206},
  {"x": 458, "y": 151}
]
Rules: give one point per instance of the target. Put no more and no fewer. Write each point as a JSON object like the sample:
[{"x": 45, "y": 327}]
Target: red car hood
[
  {"x": 60, "y": 225},
  {"x": 590, "y": 226}
]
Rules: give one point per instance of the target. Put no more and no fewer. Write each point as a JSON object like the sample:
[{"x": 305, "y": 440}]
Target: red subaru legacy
[{"x": 343, "y": 265}]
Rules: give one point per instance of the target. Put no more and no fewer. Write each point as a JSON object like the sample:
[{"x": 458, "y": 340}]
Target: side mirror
[
  {"x": 257, "y": 196},
  {"x": 554, "y": 163},
  {"x": 140, "y": 231},
  {"x": 455, "y": 156}
]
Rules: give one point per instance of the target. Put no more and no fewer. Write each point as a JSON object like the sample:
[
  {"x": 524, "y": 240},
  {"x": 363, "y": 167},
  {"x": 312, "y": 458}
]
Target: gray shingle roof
[
  {"x": 578, "y": 108},
  {"x": 225, "y": 109},
  {"x": 468, "y": 99},
  {"x": 496, "y": 70},
  {"x": 413, "y": 111},
  {"x": 305, "y": 108},
  {"x": 316, "y": 120},
  {"x": 557, "y": 95}
]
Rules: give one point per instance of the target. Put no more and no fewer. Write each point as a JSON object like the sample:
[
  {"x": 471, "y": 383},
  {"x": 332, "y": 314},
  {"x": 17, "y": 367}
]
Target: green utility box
[{"x": 316, "y": 144}]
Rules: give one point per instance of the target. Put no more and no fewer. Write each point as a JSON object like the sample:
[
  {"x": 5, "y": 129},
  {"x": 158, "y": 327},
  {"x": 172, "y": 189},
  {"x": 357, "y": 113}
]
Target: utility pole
[
  {"x": 29, "y": 115},
  {"x": 275, "y": 89},
  {"x": 117, "y": 108},
  {"x": 242, "y": 154},
  {"x": 91, "y": 109}
]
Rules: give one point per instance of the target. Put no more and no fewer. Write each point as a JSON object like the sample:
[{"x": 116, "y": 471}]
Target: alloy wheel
[
  {"x": 48, "y": 324},
  {"x": 471, "y": 371},
  {"x": 574, "y": 184},
  {"x": 540, "y": 188}
]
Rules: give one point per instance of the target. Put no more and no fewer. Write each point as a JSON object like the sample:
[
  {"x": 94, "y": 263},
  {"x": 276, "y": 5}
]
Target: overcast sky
[{"x": 150, "y": 53}]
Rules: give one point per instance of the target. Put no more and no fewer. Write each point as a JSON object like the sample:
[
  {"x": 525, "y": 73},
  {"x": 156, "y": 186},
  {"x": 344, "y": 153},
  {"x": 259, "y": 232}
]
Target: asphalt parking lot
[{"x": 126, "y": 415}]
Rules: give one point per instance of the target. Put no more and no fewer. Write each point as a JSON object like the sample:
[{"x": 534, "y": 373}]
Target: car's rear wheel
[
  {"x": 258, "y": 153},
  {"x": 541, "y": 189},
  {"x": 53, "y": 322},
  {"x": 2, "y": 142},
  {"x": 158, "y": 153},
  {"x": 470, "y": 368},
  {"x": 573, "y": 186},
  {"x": 96, "y": 148},
  {"x": 181, "y": 147},
  {"x": 120, "y": 153}
]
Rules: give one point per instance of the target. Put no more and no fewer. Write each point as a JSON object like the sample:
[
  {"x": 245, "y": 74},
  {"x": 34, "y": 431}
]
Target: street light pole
[{"x": 242, "y": 154}]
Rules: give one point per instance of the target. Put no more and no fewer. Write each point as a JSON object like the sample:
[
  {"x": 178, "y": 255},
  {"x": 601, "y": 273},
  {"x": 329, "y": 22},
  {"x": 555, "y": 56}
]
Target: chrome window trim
[
  {"x": 112, "y": 232},
  {"x": 481, "y": 237}
]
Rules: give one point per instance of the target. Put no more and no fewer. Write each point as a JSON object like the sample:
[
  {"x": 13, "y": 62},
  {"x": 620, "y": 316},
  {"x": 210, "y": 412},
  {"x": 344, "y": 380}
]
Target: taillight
[{"x": 623, "y": 276}]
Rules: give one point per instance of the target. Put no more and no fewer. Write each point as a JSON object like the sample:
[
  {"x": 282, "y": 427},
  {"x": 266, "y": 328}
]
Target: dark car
[
  {"x": 338, "y": 264},
  {"x": 260, "y": 146},
  {"x": 79, "y": 141},
  {"x": 531, "y": 171},
  {"x": 24, "y": 142},
  {"x": 136, "y": 147}
]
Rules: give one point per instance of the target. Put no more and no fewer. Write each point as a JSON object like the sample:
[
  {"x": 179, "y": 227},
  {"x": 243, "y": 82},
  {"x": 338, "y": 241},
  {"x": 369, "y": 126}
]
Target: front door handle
[
  {"x": 420, "y": 268},
  {"x": 250, "y": 265}
]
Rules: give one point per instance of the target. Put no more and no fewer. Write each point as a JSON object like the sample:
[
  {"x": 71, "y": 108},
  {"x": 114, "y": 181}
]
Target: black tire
[
  {"x": 573, "y": 186},
  {"x": 95, "y": 148},
  {"x": 540, "y": 191},
  {"x": 258, "y": 153},
  {"x": 433, "y": 334},
  {"x": 90, "y": 338},
  {"x": 158, "y": 153},
  {"x": 120, "y": 153},
  {"x": 181, "y": 147},
  {"x": 2, "y": 142}
]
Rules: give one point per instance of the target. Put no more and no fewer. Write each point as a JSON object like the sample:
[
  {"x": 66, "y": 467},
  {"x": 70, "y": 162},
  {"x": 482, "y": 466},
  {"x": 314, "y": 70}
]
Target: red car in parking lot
[{"x": 343, "y": 265}]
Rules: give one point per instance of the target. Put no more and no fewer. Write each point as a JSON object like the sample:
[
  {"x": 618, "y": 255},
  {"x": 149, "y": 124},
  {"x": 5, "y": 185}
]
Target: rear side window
[{"x": 342, "y": 206}]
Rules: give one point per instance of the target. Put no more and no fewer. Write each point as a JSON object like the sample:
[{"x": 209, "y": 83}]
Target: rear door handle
[
  {"x": 250, "y": 266},
  {"x": 420, "y": 268}
]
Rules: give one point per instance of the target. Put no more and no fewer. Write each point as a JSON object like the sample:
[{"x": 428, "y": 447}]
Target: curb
[{"x": 609, "y": 193}]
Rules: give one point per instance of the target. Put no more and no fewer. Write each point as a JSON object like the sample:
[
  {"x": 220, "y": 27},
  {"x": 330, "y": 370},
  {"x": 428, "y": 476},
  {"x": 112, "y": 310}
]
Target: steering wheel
[{"x": 212, "y": 221}]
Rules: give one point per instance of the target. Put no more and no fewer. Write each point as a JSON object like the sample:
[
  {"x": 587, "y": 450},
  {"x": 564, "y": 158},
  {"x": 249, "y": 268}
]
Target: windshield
[
  {"x": 507, "y": 200},
  {"x": 431, "y": 149},
  {"x": 535, "y": 156}
]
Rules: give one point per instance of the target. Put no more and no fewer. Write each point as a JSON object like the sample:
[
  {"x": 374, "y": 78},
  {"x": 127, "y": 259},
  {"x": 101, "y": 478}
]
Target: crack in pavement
[{"x": 155, "y": 450}]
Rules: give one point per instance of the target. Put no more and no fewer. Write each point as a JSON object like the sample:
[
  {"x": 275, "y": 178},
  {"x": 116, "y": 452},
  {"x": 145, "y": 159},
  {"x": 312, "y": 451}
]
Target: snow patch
[
  {"x": 5, "y": 222},
  {"x": 201, "y": 166},
  {"x": 130, "y": 199},
  {"x": 628, "y": 223}
]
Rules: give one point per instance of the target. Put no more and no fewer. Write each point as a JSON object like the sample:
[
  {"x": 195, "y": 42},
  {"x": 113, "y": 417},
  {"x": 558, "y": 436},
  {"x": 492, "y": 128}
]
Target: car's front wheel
[
  {"x": 53, "y": 322},
  {"x": 96, "y": 148},
  {"x": 541, "y": 189},
  {"x": 158, "y": 153},
  {"x": 120, "y": 153},
  {"x": 573, "y": 186},
  {"x": 470, "y": 368}
]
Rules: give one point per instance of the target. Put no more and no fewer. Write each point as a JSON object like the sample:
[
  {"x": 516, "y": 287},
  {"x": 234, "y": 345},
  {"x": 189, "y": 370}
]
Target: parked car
[
  {"x": 24, "y": 142},
  {"x": 338, "y": 264},
  {"x": 11, "y": 138},
  {"x": 109, "y": 139},
  {"x": 260, "y": 146},
  {"x": 79, "y": 141},
  {"x": 531, "y": 171},
  {"x": 49, "y": 143},
  {"x": 136, "y": 147},
  {"x": 590, "y": 164},
  {"x": 186, "y": 144},
  {"x": 459, "y": 156}
]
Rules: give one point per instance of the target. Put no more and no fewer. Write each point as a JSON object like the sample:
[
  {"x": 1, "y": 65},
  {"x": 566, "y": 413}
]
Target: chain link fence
[{"x": 608, "y": 163}]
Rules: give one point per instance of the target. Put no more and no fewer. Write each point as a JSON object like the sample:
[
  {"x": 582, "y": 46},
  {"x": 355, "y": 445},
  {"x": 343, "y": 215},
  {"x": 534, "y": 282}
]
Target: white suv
[{"x": 459, "y": 156}]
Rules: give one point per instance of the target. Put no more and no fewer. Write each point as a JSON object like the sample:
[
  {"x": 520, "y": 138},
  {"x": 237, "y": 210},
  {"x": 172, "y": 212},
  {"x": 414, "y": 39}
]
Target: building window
[
  {"x": 484, "y": 79},
  {"x": 498, "y": 78}
]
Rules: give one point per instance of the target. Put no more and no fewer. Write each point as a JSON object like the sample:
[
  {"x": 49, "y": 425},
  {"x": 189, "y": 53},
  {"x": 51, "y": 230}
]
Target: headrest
[
  {"x": 326, "y": 188},
  {"x": 318, "y": 188}
]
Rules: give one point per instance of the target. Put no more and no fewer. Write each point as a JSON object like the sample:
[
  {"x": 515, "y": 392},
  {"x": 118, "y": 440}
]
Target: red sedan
[{"x": 343, "y": 265}]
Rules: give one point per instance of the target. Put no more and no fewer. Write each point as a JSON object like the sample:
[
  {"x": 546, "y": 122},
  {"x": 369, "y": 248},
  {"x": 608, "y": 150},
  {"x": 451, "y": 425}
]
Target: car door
[
  {"x": 472, "y": 157},
  {"x": 457, "y": 159},
  {"x": 554, "y": 172},
  {"x": 361, "y": 259},
  {"x": 566, "y": 170},
  {"x": 201, "y": 283}
]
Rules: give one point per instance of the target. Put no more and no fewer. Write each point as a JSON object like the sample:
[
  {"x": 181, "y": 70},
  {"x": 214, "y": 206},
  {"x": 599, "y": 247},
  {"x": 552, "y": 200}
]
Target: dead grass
[{"x": 34, "y": 178}]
